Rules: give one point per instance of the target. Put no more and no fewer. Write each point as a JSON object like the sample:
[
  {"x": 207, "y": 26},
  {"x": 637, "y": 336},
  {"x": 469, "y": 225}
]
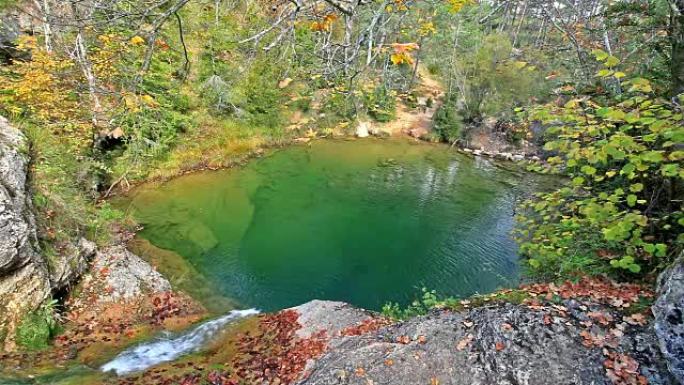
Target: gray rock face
[
  {"x": 13, "y": 22},
  {"x": 328, "y": 315},
  {"x": 69, "y": 266},
  {"x": 669, "y": 317},
  {"x": 24, "y": 279},
  {"x": 18, "y": 239},
  {"x": 124, "y": 275},
  {"x": 507, "y": 344}
]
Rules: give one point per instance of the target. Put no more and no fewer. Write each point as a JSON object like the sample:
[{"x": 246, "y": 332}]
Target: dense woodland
[{"x": 113, "y": 93}]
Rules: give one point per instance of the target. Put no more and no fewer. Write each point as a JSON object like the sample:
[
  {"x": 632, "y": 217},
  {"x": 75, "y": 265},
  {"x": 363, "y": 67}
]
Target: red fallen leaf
[
  {"x": 274, "y": 354},
  {"x": 547, "y": 319},
  {"x": 366, "y": 326},
  {"x": 389, "y": 362},
  {"x": 602, "y": 318},
  {"x": 499, "y": 346},
  {"x": 403, "y": 339},
  {"x": 422, "y": 339},
  {"x": 360, "y": 372}
]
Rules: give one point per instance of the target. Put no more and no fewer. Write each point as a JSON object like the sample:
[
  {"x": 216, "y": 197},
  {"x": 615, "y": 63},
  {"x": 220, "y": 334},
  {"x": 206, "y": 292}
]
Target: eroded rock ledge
[{"x": 498, "y": 344}]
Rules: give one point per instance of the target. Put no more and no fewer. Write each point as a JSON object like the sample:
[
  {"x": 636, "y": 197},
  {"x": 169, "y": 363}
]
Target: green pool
[{"x": 365, "y": 221}]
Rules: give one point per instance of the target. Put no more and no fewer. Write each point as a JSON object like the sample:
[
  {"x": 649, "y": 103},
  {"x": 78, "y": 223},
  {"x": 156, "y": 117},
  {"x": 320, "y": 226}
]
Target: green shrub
[
  {"x": 428, "y": 300},
  {"x": 338, "y": 107},
  {"x": 447, "y": 122},
  {"x": 381, "y": 104},
  {"x": 263, "y": 97},
  {"x": 36, "y": 329},
  {"x": 151, "y": 132},
  {"x": 622, "y": 210}
]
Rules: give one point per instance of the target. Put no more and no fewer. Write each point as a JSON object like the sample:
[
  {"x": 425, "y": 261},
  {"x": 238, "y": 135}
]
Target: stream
[{"x": 168, "y": 348}]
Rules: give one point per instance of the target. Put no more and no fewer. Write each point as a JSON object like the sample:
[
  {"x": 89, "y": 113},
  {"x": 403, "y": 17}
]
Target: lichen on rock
[{"x": 669, "y": 317}]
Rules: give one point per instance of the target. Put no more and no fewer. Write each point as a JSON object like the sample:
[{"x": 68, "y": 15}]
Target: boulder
[
  {"x": 362, "y": 130},
  {"x": 24, "y": 278},
  {"x": 71, "y": 264},
  {"x": 668, "y": 311},
  {"x": 119, "y": 275}
]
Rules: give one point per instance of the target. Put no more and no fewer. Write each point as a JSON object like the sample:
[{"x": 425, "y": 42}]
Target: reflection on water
[{"x": 365, "y": 222}]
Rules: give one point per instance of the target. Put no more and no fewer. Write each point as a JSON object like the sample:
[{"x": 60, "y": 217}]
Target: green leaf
[
  {"x": 578, "y": 181},
  {"x": 611, "y": 61},
  {"x": 670, "y": 169},
  {"x": 599, "y": 54},
  {"x": 588, "y": 170},
  {"x": 653, "y": 156},
  {"x": 631, "y": 200},
  {"x": 641, "y": 84},
  {"x": 636, "y": 187},
  {"x": 628, "y": 168}
]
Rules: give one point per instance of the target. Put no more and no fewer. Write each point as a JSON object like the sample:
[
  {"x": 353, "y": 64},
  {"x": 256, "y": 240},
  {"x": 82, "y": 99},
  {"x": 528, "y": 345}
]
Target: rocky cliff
[
  {"x": 24, "y": 276},
  {"x": 27, "y": 278}
]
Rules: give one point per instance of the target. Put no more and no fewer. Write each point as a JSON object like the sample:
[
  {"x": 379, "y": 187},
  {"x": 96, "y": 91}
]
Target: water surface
[{"x": 367, "y": 222}]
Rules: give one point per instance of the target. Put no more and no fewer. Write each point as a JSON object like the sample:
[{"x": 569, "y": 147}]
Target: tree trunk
[{"x": 677, "y": 38}]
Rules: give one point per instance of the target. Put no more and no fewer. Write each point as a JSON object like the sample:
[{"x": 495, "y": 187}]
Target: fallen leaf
[
  {"x": 465, "y": 342},
  {"x": 403, "y": 339}
]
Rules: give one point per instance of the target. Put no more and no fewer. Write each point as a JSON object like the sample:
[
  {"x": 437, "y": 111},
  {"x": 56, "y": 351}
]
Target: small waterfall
[{"x": 161, "y": 350}]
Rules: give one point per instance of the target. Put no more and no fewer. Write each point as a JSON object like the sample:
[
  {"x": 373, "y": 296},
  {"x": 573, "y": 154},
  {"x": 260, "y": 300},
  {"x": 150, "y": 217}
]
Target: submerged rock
[
  {"x": 24, "y": 278},
  {"x": 669, "y": 317}
]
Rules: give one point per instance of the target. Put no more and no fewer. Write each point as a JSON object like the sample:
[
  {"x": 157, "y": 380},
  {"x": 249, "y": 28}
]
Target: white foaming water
[{"x": 162, "y": 350}]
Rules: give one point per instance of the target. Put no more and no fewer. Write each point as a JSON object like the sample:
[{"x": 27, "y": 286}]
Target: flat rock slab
[
  {"x": 504, "y": 344},
  {"x": 331, "y": 316},
  {"x": 122, "y": 275}
]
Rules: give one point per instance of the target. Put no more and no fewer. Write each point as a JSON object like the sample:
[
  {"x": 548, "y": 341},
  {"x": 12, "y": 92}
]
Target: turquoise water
[{"x": 367, "y": 222}]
